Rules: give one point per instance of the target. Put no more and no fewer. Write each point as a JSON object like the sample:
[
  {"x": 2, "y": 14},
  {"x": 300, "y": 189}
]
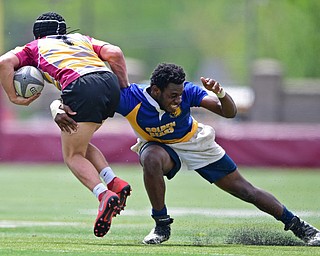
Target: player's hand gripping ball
[{"x": 28, "y": 81}]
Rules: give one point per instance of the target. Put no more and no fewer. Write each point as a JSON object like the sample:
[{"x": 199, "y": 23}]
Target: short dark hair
[
  {"x": 49, "y": 23},
  {"x": 166, "y": 73}
]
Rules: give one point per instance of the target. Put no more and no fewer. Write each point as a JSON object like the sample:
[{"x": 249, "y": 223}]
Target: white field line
[
  {"x": 17, "y": 223},
  {"x": 207, "y": 212}
]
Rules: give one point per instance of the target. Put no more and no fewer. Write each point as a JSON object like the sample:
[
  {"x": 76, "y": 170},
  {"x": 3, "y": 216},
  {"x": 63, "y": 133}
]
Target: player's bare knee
[{"x": 149, "y": 156}]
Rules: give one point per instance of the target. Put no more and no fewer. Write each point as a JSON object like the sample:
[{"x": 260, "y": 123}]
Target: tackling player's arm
[
  {"x": 114, "y": 56},
  {"x": 8, "y": 63},
  {"x": 60, "y": 114},
  {"x": 223, "y": 104}
]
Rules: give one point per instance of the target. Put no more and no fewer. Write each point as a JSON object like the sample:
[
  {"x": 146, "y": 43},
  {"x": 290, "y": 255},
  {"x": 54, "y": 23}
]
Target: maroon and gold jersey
[{"x": 61, "y": 61}]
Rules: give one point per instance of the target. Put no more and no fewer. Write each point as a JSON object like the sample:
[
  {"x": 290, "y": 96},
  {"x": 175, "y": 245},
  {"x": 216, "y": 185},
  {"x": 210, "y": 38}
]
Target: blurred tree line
[{"x": 188, "y": 32}]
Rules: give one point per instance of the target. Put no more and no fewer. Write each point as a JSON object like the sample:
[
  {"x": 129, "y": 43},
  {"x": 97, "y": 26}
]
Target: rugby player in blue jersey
[{"x": 168, "y": 135}]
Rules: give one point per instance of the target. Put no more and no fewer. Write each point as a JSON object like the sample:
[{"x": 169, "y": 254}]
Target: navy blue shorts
[
  {"x": 217, "y": 170},
  {"x": 94, "y": 96},
  {"x": 211, "y": 172}
]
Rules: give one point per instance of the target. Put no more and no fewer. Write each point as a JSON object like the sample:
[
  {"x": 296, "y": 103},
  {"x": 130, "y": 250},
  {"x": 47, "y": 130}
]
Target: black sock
[
  {"x": 286, "y": 216},
  {"x": 162, "y": 212}
]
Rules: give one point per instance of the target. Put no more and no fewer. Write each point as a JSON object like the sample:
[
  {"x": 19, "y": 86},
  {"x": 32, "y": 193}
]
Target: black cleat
[
  {"x": 303, "y": 230},
  {"x": 161, "y": 232}
]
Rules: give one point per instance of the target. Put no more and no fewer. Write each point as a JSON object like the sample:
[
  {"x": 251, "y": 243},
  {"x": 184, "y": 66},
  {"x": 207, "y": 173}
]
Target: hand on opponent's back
[{"x": 63, "y": 119}]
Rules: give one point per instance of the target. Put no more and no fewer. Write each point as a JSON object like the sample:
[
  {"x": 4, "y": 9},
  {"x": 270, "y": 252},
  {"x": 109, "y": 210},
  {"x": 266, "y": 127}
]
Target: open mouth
[{"x": 172, "y": 108}]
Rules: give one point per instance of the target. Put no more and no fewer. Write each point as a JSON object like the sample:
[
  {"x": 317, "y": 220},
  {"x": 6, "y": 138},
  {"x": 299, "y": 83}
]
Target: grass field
[{"x": 45, "y": 211}]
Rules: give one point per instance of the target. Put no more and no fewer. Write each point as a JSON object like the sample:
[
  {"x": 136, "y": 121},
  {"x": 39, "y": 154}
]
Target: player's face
[{"x": 169, "y": 100}]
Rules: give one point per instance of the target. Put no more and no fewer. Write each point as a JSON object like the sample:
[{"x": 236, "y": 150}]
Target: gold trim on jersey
[
  {"x": 51, "y": 80},
  {"x": 132, "y": 117}
]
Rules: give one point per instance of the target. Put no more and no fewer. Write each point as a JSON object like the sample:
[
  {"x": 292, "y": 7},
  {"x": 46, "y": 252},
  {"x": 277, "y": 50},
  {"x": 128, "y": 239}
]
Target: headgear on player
[{"x": 49, "y": 23}]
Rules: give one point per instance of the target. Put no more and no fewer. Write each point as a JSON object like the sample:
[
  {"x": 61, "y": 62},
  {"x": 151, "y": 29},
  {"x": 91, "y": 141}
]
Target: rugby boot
[
  {"x": 303, "y": 230},
  {"x": 122, "y": 189},
  {"x": 161, "y": 232},
  {"x": 107, "y": 210}
]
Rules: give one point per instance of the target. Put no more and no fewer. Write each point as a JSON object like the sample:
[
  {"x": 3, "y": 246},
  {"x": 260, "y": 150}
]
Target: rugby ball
[{"x": 28, "y": 81}]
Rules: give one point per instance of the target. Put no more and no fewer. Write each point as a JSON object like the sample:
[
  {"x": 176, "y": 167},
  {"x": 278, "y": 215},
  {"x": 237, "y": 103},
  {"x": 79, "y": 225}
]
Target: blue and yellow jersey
[
  {"x": 153, "y": 124},
  {"x": 62, "y": 62}
]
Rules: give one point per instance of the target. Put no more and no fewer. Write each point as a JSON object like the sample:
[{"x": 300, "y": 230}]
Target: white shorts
[{"x": 201, "y": 150}]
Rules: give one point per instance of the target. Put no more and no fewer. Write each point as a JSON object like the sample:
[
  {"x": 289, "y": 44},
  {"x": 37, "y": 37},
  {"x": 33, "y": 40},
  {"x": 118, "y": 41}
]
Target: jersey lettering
[{"x": 161, "y": 130}]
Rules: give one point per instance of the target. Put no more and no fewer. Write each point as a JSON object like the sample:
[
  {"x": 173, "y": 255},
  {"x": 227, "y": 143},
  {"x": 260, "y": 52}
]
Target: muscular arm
[
  {"x": 8, "y": 63},
  {"x": 114, "y": 56},
  {"x": 223, "y": 106}
]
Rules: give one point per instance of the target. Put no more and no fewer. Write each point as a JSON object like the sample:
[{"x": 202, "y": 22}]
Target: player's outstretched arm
[{"x": 223, "y": 104}]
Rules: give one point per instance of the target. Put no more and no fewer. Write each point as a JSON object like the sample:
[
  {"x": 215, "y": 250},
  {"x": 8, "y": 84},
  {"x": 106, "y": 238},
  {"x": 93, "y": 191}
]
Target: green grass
[{"x": 45, "y": 211}]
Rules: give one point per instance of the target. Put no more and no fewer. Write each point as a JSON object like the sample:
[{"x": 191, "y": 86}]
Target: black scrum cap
[{"x": 49, "y": 23}]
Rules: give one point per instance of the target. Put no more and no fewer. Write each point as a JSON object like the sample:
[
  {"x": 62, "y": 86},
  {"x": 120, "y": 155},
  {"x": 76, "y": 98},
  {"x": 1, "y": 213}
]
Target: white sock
[
  {"x": 107, "y": 175},
  {"x": 99, "y": 189}
]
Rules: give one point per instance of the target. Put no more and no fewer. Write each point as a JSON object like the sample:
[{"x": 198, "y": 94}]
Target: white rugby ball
[{"x": 28, "y": 81}]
